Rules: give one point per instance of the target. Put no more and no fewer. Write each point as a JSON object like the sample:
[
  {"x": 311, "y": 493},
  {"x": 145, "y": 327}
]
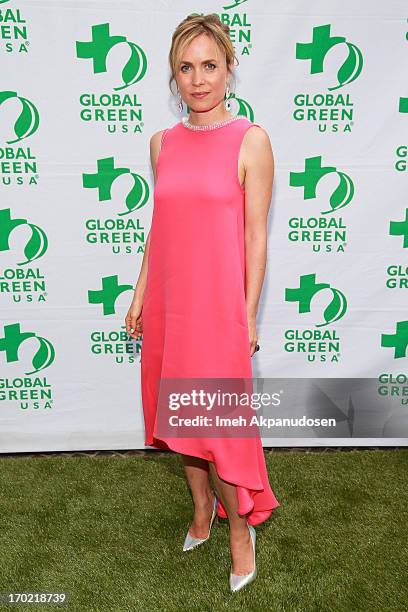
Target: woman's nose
[{"x": 197, "y": 78}]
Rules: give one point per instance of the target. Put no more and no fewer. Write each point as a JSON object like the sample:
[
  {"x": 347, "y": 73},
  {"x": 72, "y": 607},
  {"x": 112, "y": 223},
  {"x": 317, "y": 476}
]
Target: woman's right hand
[{"x": 133, "y": 320}]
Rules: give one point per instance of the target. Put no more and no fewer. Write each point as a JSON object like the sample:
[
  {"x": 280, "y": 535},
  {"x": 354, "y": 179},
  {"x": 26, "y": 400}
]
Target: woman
[{"x": 199, "y": 285}]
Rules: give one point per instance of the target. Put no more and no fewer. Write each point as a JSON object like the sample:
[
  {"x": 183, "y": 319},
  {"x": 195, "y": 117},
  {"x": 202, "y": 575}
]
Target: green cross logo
[
  {"x": 98, "y": 48},
  {"x": 317, "y": 50},
  {"x": 14, "y": 338},
  {"x": 309, "y": 178},
  {"x": 399, "y": 340},
  {"x": 307, "y": 289},
  {"x": 28, "y": 120},
  {"x": 103, "y": 180},
  {"x": 37, "y": 243},
  {"x": 400, "y": 228},
  {"x": 108, "y": 295}
]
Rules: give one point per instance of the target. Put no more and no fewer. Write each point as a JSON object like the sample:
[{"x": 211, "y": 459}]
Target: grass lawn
[{"x": 109, "y": 531}]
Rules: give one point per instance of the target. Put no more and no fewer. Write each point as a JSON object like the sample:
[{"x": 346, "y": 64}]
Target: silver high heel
[
  {"x": 190, "y": 542},
  {"x": 236, "y": 581}
]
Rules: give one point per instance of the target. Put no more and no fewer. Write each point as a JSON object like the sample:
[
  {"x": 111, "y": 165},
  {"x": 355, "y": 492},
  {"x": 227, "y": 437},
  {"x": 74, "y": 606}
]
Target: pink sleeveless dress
[{"x": 194, "y": 312}]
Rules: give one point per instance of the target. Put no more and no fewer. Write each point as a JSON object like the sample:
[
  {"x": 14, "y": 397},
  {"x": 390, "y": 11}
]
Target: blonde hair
[{"x": 192, "y": 26}]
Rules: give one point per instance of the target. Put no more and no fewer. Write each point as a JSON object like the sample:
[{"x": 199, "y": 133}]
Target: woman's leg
[
  {"x": 197, "y": 475},
  {"x": 240, "y": 540}
]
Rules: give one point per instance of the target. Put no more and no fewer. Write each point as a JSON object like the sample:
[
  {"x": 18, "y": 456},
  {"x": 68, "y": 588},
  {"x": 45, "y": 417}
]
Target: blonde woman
[{"x": 197, "y": 294}]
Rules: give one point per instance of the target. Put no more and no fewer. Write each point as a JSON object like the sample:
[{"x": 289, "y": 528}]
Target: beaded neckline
[{"x": 211, "y": 126}]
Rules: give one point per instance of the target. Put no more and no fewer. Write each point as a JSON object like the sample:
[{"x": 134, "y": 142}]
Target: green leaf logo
[
  {"x": 44, "y": 356},
  {"x": 336, "y": 309},
  {"x": 36, "y": 245},
  {"x": 351, "y": 68},
  {"x": 342, "y": 195},
  {"x": 28, "y": 120}
]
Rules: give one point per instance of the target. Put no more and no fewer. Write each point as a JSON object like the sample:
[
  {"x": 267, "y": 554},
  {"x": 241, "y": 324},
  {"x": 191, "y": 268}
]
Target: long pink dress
[{"x": 194, "y": 312}]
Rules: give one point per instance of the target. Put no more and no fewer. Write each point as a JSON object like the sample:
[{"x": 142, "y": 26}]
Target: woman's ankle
[{"x": 239, "y": 530}]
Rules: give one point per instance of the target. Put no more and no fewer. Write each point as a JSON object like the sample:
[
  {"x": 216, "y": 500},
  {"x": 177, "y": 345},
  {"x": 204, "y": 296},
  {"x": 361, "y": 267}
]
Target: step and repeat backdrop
[{"x": 83, "y": 87}]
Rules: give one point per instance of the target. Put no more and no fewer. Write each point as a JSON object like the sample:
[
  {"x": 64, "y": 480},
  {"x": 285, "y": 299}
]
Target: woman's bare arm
[
  {"x": 141, "y": 281},
  {"x": 259, "y": 174}
]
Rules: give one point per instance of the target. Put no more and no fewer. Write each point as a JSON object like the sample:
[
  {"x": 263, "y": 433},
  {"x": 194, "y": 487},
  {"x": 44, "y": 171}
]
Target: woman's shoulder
[
  {"x": 156, "y": 140},
  {"x": 156, "y": 143},
  {"x": 254, "y": 124},
  {"x": 256, "y": 134},
  {"x": 157, "y": 136},
  {"x": 256, "y": 144}
]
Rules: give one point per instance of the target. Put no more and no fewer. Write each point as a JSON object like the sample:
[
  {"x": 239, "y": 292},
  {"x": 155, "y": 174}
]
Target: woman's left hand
[{"x": 253, "y": 336}]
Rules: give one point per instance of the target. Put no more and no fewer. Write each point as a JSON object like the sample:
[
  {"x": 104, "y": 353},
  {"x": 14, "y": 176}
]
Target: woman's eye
[{"x": 210, "y": 64}]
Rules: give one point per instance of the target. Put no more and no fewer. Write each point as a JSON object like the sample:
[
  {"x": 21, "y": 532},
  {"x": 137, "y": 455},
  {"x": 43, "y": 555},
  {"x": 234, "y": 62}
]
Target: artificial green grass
[{"x": 109, "y": 530}]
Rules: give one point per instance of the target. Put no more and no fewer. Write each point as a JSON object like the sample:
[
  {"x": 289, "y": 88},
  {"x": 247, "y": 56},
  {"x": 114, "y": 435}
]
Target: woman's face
[{"x": 202, "y": 68}]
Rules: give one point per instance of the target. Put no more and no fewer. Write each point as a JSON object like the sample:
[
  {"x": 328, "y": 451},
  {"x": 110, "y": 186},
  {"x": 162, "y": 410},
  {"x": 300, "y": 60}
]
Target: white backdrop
[{"x": 77, "y": 199}]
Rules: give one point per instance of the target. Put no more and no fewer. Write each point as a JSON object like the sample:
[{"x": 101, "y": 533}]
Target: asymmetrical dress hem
[
  {"x": 195, "y": 296},
  {"x": 246, "y": 503}
]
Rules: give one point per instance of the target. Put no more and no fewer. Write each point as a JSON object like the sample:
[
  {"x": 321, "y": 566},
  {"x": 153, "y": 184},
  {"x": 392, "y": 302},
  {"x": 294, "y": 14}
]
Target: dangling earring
[
  {"x": 227, "y": 102},
  {"x": 180, "y": 102}
]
